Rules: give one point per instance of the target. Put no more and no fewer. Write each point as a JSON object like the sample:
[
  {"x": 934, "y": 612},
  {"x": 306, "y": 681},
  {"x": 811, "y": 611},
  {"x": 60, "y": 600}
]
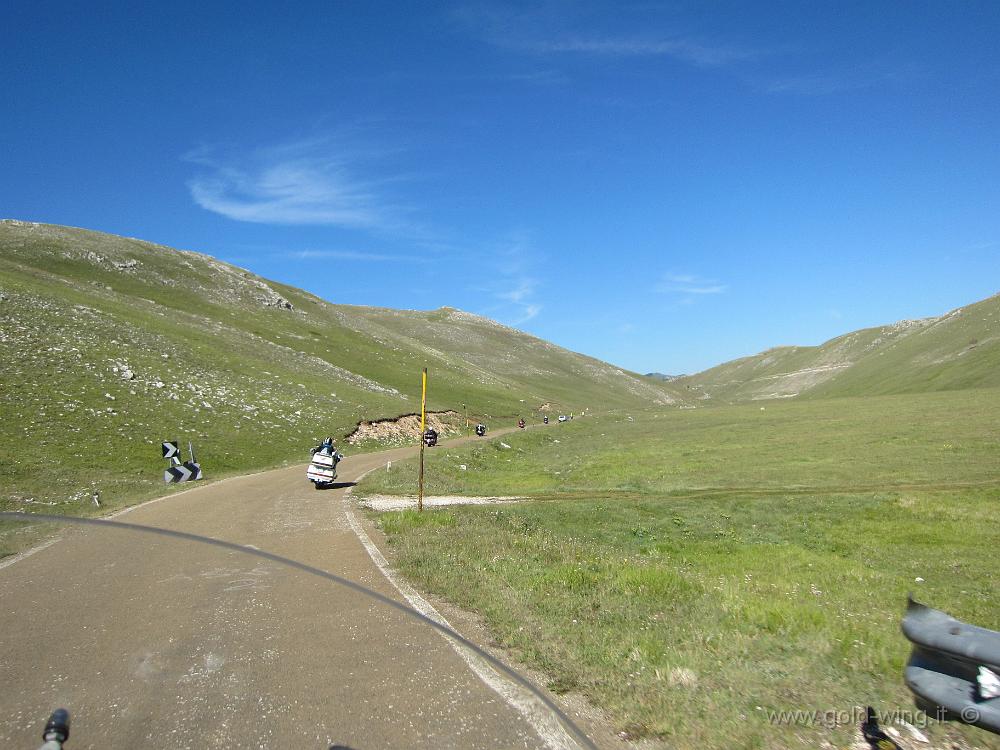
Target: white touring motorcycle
[{"x": 323, "y": 466}]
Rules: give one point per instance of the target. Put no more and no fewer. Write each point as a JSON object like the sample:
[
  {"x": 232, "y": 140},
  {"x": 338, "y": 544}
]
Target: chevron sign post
[{"x": 188, "y": 471}]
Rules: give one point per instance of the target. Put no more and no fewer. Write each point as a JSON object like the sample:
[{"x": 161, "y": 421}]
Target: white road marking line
[
  {"x": 28, "y": 552},
  {"x": 548, "y": 727},
  {"x": 211, "y": 483}
]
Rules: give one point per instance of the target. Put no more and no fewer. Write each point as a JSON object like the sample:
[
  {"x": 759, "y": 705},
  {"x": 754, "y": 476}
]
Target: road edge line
[
  {"x": 29, "y": 552},
  {"x": 545, "y": 724},
  {"x": 7, "y": 562}
]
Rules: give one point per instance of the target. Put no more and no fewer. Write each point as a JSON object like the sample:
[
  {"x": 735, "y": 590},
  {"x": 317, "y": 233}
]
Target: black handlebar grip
[{"x": 57, "y": 727}]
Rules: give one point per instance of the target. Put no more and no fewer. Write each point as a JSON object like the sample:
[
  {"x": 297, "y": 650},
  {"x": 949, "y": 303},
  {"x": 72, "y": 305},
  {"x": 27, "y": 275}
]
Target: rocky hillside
[
  {"x": 662, "y": 376},
  {"x": 109, "y": 345},
  {"x": 960, "y": 349}
]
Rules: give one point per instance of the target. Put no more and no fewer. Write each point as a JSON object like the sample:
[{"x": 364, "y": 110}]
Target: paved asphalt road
[{"x": 160, "y": 643}]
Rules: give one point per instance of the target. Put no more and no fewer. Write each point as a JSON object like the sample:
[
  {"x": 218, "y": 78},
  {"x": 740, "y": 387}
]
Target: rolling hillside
[
  {"x": 960, "y": 349},
  {"x": 109, "y": 345}
]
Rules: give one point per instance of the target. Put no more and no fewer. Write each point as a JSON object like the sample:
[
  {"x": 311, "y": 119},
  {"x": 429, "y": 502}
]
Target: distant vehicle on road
[
  {"x": 545, "y": 420},
  {"x": 480, "y": 429},
  {"x": 323, "y": 466},
  {"x": 520, "y": 423},
  {"x": 562, "y": 417},
  {"x": 430, "y": 437}
]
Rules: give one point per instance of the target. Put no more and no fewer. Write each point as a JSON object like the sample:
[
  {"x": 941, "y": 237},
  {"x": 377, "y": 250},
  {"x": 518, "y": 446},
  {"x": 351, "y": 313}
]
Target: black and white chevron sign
[
  {"x": 170, "y": 449},
  {"x": 188, "y": 471},
  {"x": 178, "y": 473}
]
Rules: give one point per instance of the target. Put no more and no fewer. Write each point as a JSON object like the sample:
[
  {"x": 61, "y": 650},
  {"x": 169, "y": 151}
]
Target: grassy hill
[
  {"x": 109, "y": 345},
  {"x": 958, "y": 350}
]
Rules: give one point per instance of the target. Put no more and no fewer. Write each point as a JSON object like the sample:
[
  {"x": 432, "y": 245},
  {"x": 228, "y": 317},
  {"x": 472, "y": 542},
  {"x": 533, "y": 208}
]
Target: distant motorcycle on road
[
  {"x": 323, "y": 466},
  {"x": 520, "y": 423}
]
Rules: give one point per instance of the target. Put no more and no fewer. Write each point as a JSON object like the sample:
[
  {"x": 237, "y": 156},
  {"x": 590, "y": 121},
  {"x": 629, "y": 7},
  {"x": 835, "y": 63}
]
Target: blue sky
[{"x": 665, "y": 186}]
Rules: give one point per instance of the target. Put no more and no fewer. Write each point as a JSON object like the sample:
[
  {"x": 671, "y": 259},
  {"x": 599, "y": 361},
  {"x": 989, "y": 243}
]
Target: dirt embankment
[{"x": 405, "y": 428}]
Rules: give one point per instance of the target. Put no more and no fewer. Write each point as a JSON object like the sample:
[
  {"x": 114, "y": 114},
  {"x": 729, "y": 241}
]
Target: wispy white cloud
[
  {"x": 812, "y": 84},
  {"x": 514, "y": 287},
  {"x": 561, "y": 29},
  {"x": 684, "y": 49},
  {"x": 689, "y": 284},
  {"x": 350, "y": 255},
  {"x": 521, "y": 296},
  {"x": 308, "y": 181},
  {"x": 820, "y": 84},
  {"x": 524, "y": 289},
  {"x": 983, "y": 246},
  {"x": 861, "y": 75},
  {"x": 547, "y": 77},
  {"x": 548, "y": 29}
]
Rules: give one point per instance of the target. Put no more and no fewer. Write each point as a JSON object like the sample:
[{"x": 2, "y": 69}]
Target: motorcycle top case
[{"x": 322, "y": 468}]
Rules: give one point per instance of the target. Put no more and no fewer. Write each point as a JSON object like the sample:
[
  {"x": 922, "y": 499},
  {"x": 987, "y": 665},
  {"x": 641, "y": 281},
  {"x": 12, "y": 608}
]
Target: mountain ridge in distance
[{"x": 956, "y": 350}]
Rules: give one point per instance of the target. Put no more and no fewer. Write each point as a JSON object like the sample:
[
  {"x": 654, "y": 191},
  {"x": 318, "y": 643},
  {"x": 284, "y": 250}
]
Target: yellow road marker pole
[{"x": 423, "y": 419}]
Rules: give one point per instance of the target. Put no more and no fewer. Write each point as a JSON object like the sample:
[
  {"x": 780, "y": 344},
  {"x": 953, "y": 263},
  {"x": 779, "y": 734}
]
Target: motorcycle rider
[{"x": 328, "y": 448}]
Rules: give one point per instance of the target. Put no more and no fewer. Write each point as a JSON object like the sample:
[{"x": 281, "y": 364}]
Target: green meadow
[{"x": 698, "y": 572}]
